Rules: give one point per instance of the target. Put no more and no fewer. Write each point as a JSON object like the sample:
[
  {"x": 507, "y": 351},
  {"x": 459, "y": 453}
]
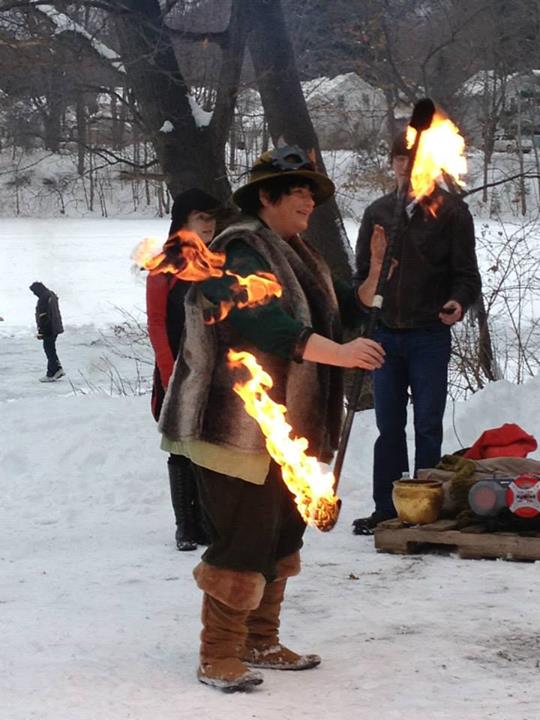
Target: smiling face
[
  {"x": 289, "y": 215},
  {"x": 202, "y": 223}
]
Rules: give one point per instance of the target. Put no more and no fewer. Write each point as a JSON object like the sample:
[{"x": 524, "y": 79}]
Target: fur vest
[{"x": 200, "y": 403}]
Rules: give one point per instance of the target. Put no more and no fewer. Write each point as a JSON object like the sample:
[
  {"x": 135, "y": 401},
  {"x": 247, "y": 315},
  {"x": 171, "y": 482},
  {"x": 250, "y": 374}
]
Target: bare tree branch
[
  {"x": 219, "y": 38},
  {"x": 6, "y": 5},
  {"x": 526, "y": 175}
]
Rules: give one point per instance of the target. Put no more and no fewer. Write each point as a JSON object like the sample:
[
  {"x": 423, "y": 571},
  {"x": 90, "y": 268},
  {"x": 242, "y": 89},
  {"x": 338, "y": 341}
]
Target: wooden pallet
[{"x": 471, "y": 542}]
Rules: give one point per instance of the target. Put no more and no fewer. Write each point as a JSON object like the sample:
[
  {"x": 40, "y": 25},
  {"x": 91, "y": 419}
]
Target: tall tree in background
[
  {"x": 190, "y": 153},
  {"x": 288, "y": 117},
  {"x": 405, "y": 47}
]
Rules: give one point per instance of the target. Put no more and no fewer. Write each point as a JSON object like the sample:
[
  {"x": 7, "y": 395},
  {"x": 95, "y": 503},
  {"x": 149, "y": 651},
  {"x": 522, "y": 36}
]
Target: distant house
[
  {"x": 50, "y": 72},
  {"x": 347, "y": 112},
  {"x": 512, "y": 101}
]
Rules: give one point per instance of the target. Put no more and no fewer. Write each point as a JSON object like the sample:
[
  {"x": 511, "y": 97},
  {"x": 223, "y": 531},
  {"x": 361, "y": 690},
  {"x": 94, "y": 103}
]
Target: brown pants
[{"x": 251, "y": 526}]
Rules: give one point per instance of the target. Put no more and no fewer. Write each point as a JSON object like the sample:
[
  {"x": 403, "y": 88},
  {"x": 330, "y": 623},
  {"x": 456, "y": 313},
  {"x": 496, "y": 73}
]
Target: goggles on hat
[{"x": 286, "y": 158}]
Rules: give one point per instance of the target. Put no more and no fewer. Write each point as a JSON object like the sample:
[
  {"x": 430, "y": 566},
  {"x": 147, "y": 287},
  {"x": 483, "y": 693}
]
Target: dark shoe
[
  {"x": 183, "y": 543},
  {"x": 366, "y": 526}
]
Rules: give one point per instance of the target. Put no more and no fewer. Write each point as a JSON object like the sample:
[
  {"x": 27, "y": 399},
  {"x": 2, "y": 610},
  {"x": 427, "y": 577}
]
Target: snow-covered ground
[{"x": 99, "y": 615}]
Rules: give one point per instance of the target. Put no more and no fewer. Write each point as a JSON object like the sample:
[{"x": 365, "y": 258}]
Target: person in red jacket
[{"x": 192, "y": 210}]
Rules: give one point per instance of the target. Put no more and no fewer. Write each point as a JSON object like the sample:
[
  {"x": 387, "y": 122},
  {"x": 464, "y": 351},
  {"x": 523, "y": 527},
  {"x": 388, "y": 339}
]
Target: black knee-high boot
[{"x": 183, "y": 496}]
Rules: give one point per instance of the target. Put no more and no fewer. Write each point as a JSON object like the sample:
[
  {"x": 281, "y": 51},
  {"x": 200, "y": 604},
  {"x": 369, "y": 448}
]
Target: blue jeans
[{"x": 415, "y": 359}]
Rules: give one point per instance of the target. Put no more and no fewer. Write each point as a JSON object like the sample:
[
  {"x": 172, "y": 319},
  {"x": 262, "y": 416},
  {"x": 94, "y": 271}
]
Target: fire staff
[
  {"x": 435, "y": 281},
  {"x": 256, "y": 530}
]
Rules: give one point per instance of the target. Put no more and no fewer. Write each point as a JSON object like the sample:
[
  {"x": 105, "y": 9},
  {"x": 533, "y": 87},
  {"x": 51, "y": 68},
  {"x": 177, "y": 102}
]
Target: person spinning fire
[
  {"x": 256, "y": 530},
  {"x": 435, "y": 281}
]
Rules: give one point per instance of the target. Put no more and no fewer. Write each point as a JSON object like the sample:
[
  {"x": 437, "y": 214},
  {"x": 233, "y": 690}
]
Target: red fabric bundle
[{"x": 509, "y": 440}]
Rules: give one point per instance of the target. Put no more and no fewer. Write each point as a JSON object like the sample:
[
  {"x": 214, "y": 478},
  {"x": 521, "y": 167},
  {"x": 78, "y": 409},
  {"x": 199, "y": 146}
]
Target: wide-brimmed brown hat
[{"x": 289, "y": 161}]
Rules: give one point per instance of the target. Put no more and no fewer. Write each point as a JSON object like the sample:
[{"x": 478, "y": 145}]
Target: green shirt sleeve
[
  {"x": 268, "y": 327},
  {"x": 353, "y": 313}
]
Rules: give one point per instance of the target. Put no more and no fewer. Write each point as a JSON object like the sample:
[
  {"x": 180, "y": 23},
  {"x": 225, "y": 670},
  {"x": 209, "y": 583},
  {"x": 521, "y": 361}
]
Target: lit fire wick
[
  {"x": 311, "y": 486},
  {"x": 440, "y": 150},
  {"x": 185, "y": 256}
]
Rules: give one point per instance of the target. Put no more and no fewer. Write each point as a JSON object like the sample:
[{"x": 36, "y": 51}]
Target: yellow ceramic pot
[{"x": 417, "y": 503}]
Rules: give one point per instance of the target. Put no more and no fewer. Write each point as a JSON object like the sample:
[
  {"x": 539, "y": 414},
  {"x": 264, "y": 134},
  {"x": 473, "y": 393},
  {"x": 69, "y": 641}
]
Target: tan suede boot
[
  {"x": 222, "y": 640},
  {"x": 229, "y": 596},
  {"x": 263, "y": 649}
]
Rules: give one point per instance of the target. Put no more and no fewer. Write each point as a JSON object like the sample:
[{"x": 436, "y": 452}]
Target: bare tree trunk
[
  {"x": 485, "y": 169},
  {"x": 265, "y": 136},
  {"x": 536, "y": 160},
  {"x": 146, "y": 181},
  {"x": 81, "y": 133},
  {"x": 522, "y": 195},
  {"x": 92, "y": 180},
  {"x": 190, "y": 156},
  {"x": 52, "y": 113},
  {"x": 288, "y": 118},
  {"x": 118, "y": 114},
  {"x": 493, "y": 102},
  {"x": 232, "y": 145},
  {"x": 489, "y": 142},
  {"x": 390, "y": 115}
]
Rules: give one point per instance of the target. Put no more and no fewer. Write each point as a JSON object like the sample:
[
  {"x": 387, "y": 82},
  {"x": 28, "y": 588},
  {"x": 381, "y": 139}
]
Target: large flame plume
[
  {"x": 184, "y": 255},
  {"x": 187, "y": 257},
  {"x": 440, "y": 152},
  {"x": 310, "y": 484}
]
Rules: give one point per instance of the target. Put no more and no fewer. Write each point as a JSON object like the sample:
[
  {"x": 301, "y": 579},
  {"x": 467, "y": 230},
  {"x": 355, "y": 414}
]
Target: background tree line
[
  {"x": 154, "y": 86},
  {"x": 153, "y": 58}
]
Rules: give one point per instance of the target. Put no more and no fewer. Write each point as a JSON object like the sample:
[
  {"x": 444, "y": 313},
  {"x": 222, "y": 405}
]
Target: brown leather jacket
[{"x": 436, "y": 259}]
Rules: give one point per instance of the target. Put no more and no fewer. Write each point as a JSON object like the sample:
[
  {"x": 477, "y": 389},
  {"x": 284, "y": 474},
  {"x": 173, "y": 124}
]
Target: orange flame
[
  {"x": 146, "y": 251},
  {"x": 184, "y": 255},
  {"x": 246, "y": 291},
  {"x": 187, "y": 257},
  {"x": 441, "y": 149},
  {"x": 310, "y": 484}
]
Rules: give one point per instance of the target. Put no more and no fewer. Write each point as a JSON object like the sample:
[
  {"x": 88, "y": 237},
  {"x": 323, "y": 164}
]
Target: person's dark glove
[{"x": 39, "y": 336}]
